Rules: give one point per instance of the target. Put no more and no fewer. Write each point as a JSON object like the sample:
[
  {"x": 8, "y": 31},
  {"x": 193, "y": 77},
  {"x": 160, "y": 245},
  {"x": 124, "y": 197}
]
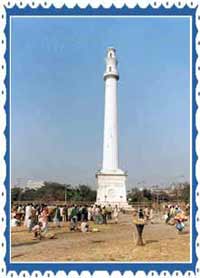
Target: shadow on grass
[
  {"x": 16, "y": 256},
  {"x": 151, "y": 241},
  {"x": 184, "y": 232},
  {"x": 97, "y": 241},
  {"x": 25, "y": 244}
]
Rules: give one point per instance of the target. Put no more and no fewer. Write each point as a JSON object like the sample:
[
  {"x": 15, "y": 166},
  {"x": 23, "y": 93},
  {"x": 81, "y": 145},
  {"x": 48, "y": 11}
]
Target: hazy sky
[{"x": 58, "y": 97}]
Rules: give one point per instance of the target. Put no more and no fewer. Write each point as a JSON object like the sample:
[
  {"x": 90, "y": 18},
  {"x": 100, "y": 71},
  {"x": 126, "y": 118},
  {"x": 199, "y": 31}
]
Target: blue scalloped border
[{"x": 112, "y": 11}]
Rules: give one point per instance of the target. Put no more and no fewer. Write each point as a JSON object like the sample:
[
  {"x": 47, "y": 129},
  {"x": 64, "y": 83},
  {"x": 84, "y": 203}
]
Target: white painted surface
[
  {"x": 111, "y": 180},
  {"x": 111, "y": 189},
  {"x": 110, "y": 146}
]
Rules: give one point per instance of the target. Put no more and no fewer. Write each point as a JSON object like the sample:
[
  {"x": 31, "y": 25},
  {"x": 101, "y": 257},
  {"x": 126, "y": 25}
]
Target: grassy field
[{"x": 113, "y": 242}]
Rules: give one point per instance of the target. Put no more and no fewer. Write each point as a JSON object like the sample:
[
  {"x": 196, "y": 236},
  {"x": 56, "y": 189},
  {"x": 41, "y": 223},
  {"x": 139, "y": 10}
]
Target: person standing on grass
[
  {"x": 109, "y": 212},
  {"x": 79, "y": 209},
  {"x": 146, "y": 213},
  {"x": 151, "y": 215},
  {"x": 57, "y": 217},
  {"x": 28, "y": 211},
  {"x": 93, "y": 211},
  {"x": 32, "y": 219},
  {"x": 69, "y": 211},
  {"x": 104, "y": 215},
  {"x": 74, "y": 213},
  {"x": 116, "y": 214},
  {"x": 74, "y": 218},
  {"x": 43, "y": 218},
  {"x": 65, "y": 216},
  {"x": 89, "y": 210},
  {"x": 84, "y": 213},
  {"x": 97, "y": 215},
  {"x": 140, "y": 222},
  {"x": 61, "y": 214}
]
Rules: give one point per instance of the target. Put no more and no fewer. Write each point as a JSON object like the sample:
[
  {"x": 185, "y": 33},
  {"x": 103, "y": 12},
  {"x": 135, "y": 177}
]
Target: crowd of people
[{"x": 36, "y": 217}]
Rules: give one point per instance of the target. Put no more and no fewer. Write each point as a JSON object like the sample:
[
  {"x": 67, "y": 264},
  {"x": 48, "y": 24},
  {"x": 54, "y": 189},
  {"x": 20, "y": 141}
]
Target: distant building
[
  {"x": 155, "y": 188},
  {"x": 32, "y": 184}
]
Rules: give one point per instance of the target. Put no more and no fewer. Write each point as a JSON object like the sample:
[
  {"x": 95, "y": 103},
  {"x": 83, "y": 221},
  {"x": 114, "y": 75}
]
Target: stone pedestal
[{"x": 111, "y": 188}]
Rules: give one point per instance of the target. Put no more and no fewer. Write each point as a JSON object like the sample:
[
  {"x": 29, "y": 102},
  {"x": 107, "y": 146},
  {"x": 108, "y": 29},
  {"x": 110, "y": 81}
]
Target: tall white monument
[{"x": 111, "y": 180}]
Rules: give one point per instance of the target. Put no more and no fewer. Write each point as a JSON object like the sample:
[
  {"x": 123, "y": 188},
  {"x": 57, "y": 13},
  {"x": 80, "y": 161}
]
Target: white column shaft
[{"x": 110, "y": 148}]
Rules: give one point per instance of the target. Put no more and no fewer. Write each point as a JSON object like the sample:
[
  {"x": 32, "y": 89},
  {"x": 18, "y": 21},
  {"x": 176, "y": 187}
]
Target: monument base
[{"x": 111, "y": 188}]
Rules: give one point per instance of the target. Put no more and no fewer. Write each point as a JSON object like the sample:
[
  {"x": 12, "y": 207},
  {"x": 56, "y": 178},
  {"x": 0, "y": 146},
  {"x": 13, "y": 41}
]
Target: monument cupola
[{"x": 111, "y": 64}]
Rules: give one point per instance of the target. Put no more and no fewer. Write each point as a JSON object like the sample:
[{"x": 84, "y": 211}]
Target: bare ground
[{"x": 113, "y": 242}]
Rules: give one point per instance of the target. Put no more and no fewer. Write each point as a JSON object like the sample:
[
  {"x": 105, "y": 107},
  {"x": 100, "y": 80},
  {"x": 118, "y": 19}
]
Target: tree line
[
  {"x": 181, "y": 192},
  {"x": 53, "y": 191}
]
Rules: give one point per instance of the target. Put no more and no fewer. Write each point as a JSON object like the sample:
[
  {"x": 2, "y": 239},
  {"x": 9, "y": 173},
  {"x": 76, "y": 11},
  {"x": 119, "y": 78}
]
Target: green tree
[
  {"x": 16, "y": 193},
  {"x": 53, "y": 191},
  {"x": 186, "y": 192}
]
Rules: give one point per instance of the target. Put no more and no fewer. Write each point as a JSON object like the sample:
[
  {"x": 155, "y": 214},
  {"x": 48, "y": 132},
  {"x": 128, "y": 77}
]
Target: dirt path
[{"x": 114, "y": 242}]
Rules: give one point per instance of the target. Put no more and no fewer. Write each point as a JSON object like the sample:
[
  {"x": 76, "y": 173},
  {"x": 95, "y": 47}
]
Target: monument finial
[{"x": 111, "y": 48}]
